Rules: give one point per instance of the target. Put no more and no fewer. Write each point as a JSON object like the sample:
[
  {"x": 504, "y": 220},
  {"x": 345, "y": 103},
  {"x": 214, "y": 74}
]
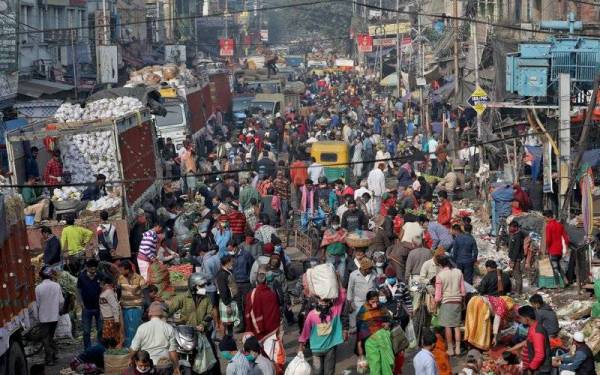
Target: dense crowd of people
[{"x": 231, "y": 198}]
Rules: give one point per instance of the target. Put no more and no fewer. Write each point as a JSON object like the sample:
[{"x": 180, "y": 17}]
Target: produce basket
[
  {"x": 116, "y": 361},
  {"x": 67, "y": 205},
  {"x": 360, "y": 239}
]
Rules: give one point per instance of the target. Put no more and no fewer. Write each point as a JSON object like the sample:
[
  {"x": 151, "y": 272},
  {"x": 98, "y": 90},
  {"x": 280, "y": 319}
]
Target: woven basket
[{"x": 362, "y": 239}]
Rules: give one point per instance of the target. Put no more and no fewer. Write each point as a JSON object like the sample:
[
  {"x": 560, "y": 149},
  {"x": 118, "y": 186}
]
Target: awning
[{"x": 37, "y": 87}]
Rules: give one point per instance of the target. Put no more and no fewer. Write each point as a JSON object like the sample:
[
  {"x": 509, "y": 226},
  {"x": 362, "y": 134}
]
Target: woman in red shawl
[{"x": 262, "y": 315}]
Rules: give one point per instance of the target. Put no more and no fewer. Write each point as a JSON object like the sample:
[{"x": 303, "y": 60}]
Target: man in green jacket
[
  {"x": 37, "y": 204},
  {"x": 195, "y": 309}
]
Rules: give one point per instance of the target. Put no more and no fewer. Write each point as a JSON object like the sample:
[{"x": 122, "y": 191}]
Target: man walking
[
  {"x": 49, "y": 299},
  {"x": 89, "y": 290}
]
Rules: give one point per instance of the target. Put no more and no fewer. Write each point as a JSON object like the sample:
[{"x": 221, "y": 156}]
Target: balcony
[{"x": 62, "y": 36}]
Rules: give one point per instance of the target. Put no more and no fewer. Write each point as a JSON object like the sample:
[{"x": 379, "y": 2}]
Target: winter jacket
[
  {"x": 547, "y": 318},
  {"x": 464, "y": 249},
  {"x": 503, "y": 197},
  {"x": 516, "y": 245}
]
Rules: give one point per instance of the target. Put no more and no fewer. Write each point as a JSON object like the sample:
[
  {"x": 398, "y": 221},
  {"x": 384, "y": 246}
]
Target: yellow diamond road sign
[{"x": 479, "y": 100}]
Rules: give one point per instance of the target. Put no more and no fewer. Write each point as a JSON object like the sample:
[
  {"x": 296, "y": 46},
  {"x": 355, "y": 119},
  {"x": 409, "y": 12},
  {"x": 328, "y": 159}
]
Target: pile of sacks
[
  {"x": 88, "y": 154},
  {"x": 100, "y": 109}
]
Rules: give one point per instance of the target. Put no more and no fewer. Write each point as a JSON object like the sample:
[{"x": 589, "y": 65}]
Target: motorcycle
[{"x": 187, "y": 341}]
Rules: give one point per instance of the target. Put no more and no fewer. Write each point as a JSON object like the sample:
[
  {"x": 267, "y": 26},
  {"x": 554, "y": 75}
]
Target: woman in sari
[{"x": 373, "y": 336}]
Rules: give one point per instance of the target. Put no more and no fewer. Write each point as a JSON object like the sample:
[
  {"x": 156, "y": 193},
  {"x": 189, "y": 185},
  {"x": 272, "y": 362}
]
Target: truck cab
[
  {"x": 269, "y": 103},
  {"x": 239, "y": 107},
  {"x": 174, "y": 124}
]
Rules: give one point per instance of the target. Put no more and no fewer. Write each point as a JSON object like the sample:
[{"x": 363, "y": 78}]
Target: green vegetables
[
  {"x": 116, "y": 351},
  {"x": 176, "y": 277}
]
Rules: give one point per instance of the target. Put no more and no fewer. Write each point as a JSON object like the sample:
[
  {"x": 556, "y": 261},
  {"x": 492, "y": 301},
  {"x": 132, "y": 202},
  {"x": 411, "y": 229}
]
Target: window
[{"x": 329, "y": 157}]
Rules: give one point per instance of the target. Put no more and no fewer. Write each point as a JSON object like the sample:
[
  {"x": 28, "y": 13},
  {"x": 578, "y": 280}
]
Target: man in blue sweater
[{"x": 464, "y": 251}]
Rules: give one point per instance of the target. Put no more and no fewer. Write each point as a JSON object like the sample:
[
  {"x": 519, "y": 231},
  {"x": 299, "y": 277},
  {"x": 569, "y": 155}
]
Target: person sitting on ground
[
  {"x": 581, "y": 362},
  {"x": 490, "y": 286},
  {"x": 91, "y": 360},
  {"x": 141, "y": 364},
  {"x": 37, "y": 204}
]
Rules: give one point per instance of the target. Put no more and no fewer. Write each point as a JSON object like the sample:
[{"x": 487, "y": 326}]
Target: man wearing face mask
[
  {"x": 193, "y": 309},
  {"x": 395, "y": 296},
  {"x": 354, "y": 219},
  {"x": 360, "y": 283},
  {"x": 334, "y": 244},
  {"x": 227, "y": 288},
  {"x": 242, "y": 265},
  {"x": 325, "y": 327},
  {"x": 277, "y": 281},
  {"x": 244, "y": 361}
]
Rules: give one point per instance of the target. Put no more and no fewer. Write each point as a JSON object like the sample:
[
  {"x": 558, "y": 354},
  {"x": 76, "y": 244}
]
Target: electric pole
[
  {"x": 455, "y": 23},
  {"x": 398, "y": 47}
]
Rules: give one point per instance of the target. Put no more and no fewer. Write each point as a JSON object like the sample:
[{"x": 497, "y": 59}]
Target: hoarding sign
[
  {"x": 365, "y": 43},
  {"x": 264, "y": 35},
  {"x": 389, "y": 29},
  {"x": 9, "y": 63}
]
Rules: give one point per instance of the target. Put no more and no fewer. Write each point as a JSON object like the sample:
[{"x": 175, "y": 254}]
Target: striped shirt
[
  {"x": 237, "y": 222},
  {"x": 148, "y": 244}
]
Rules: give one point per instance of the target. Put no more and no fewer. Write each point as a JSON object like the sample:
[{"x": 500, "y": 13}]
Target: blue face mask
[
  {"x": 250, "y": 357},
  {"x": 270, "y": 277},
  {"x": 391, "y": 280},
  {"x": 227, "y": 355}
]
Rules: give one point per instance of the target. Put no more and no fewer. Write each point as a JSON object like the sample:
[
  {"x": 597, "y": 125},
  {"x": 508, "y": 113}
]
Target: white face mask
[
  {"x": 200, "y": 291},
  {"x": 203, "y": 234},
  {"x": 382, "y": 299},
  {"x": 143, "y": 371},
  {"x": 335, "y": 226}
]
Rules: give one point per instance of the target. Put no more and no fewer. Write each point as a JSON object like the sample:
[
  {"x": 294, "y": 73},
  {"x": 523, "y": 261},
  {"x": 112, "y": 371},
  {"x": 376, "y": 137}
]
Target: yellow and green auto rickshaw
[{"x": 334, "y": 156}]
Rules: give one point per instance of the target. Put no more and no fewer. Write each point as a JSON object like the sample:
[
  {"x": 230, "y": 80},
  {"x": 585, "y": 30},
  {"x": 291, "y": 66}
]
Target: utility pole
[
  {"x": 455, "y": 22},
  {"x": 398, "y": 47},
  {"x": 74, "y": 62},
  {"x": 476, "y": 62},
  {"x": 564, "y": 136},
  {"x": 226, "y": 15},
  {"x": 422, "y": 74}
]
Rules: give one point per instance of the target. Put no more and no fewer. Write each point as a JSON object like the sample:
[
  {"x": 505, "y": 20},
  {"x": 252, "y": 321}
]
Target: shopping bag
[
  {"x": 411, "y": 336},
  {"x": 205, "y": 358},
  {"x": 399, "y": 340},
  {"x": 545, "y": 267},
  {"x": 298, "y": 366}
]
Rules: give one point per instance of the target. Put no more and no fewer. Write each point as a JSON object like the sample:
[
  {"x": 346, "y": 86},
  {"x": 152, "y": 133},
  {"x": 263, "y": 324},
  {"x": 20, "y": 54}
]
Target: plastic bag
[
  {"x": 362, "y": 367},
  {"x": 205, "y": 358},
  {"x": 399, "y": 340},
  {"x": 298, "y": 366},
  {"x": 322, "y": 281},
  {"x": 63, "y": 327},
  {"x": 410, "y": 335}
]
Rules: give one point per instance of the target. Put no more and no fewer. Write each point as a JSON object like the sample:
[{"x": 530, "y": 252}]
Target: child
[
  {"x": 141, "y": 364},
  {"x": 110, "y": 310}
]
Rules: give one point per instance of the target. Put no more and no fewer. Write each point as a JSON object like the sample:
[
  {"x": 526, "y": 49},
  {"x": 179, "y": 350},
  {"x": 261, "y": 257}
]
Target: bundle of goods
[
  {"x": 158, "y": 274},
  {"x": 107, "y": 203},
  {"x": 99, "y": 109},
  {"x": 321, "y": 281},
  {"x": 173, "y": 75},
  {"x": 89, "y": 154},
  {"x": 66, "y": 193},
  {"x": 362, "y": 238}
]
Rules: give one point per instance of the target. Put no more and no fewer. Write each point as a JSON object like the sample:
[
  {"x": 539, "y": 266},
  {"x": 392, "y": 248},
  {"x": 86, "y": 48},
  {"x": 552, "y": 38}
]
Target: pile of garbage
[
  {"x": 88, "y": 154},
  {"x": 107, "y": 108},
  {"x": 166, "y": 75}
]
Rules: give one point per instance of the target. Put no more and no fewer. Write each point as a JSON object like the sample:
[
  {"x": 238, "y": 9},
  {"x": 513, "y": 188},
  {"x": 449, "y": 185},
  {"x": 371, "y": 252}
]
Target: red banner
[
  {"x": 365, "y": 43},
  {"x": 226, "y": 47}
]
